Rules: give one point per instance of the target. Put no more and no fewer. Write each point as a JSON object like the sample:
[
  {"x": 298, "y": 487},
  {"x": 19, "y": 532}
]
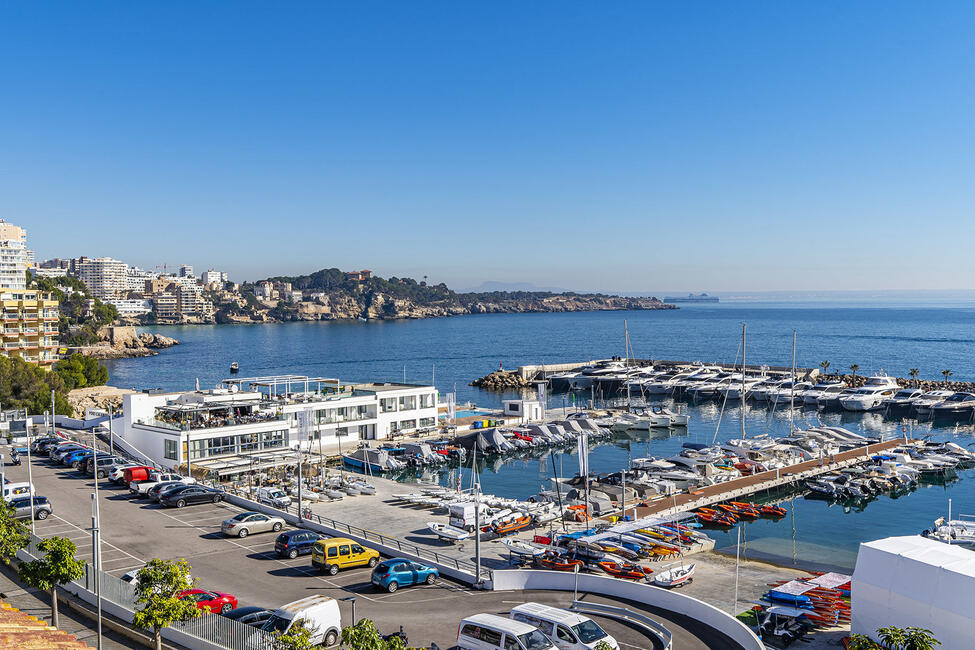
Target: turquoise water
[
  {"x": 453, "y": 351},
  {"x": 471, "y": 413}
]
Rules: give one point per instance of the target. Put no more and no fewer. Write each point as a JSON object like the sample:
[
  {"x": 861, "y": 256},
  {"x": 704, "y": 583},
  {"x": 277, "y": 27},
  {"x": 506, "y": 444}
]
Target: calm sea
[{"x": 453, "y": 351}]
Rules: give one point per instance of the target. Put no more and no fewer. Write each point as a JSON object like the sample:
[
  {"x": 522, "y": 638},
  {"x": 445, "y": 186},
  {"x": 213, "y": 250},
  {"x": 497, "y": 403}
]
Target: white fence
[{"x": 707, "y": 615}]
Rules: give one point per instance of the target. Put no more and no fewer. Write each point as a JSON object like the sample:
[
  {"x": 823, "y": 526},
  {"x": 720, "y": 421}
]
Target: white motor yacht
[
  {"x": 811, "y": 396},
  {"x": 905, "y": 398},
  {"x": 867, "y": 398},
  {"x": 960, "y": 406},
  {"x": 954, "y": 531},
  {"x": 929, "y": 399},
  {"x": 761, "y": 390}
]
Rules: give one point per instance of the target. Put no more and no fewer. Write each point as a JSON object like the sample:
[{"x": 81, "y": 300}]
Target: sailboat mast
[
  {"x": 792, "y": 388},
  {"x": 743, "y": 326}
]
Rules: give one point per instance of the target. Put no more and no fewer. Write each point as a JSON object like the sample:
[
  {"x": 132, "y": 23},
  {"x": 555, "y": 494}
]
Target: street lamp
[
  {"x": 96, "y": 539},
  {"x": 352, "y": 600}
]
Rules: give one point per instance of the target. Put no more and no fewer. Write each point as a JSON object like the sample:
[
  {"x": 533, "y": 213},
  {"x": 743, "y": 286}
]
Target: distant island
[
  {"x": 332, "y": 294},
  {"x": 701, "y": 297}
]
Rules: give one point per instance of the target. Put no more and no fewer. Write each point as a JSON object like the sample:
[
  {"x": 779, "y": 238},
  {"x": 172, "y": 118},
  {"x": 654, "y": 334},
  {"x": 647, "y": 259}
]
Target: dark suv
[{"x": 293, "y": 543}]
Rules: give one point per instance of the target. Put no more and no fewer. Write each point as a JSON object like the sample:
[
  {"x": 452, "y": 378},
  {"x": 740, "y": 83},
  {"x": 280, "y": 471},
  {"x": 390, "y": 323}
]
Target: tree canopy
[
  {"x": 160, "y": 582},
  {"x": 80, "y": 371},
  {"x": 58, "y": 566},
  {"x": 25, "y": 385}
]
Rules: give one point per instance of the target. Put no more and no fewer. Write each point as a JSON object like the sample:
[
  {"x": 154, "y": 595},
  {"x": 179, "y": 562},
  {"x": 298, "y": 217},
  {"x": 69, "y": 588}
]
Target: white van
[
  {"x": 12, "y": 490},
  {"x": 320, "y": 614},
  {"x": 490, "y": 632},
  {"x": 273, "y": 496},
  {"x": 568, "y": 630}
]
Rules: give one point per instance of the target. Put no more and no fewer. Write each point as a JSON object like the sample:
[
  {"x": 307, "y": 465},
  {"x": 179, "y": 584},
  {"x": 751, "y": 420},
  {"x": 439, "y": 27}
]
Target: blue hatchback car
[
  {"x": 73, "y": 459},
  {"x": 398, "y": 572},
  {"x": 292, "y": 543}
]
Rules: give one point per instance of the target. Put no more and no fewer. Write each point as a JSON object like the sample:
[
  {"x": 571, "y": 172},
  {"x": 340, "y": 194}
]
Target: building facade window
[
  {"x": 407, "y": 424},
  {"x": 248, "y": 442},
  {"x": 387, "y": 404},
  {"x": 427, "y": 401},
  {"x": 169, "y": 449},
  {"x": 407, "y": 403},
  {"x": 427, "y": 422},
  {"x": 274, "y": 439}
]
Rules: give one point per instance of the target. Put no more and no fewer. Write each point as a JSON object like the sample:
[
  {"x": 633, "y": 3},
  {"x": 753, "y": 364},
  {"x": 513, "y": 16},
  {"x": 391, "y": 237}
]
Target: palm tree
[
  {"x": 825, "y": 366},
  {"x": 914, "y": 372},
  {"x": 854, "y": 368},
  {"x": 946, "y": 373}
]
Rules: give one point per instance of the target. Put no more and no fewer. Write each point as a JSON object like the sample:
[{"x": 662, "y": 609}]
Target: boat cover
[
  {"x": 831, "y": 580},
  {"x": 912, "y": 581}
]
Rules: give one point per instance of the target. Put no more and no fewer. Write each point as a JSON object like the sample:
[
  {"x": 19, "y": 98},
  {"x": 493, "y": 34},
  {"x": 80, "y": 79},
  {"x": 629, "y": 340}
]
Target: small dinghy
[
  {"x": 675, "y": 576},
  {"x": 363, "y": 487},
  {"x": 556, "y": 562},
  {"x": 350, "y": 490},
  {"x": 448, "y": 532},
  {"x": 624, "y": 570},
  {"x": 522, "y": 548},
  {"x": 334, "y": 494},
  {"x": 513, "y": 526}
]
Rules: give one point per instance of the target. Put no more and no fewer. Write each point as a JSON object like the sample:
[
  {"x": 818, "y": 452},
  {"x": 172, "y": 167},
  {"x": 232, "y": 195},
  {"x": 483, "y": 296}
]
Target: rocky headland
[
  {"x": 122, "y": 342},
  {"x": 96, "y": 397}
]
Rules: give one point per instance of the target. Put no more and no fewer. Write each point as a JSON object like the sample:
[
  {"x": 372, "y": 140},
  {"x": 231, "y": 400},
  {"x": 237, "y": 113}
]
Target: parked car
[
  {"x": 492, "y": 632},
  {"x": 246, "y": 523},
  {"x": 116, "y": 473},
  {"x": 74, "y": 458},
  {"x": 22, "y": 489},
  {"x": 189, "y": 495},
  {"x": 103, "y": 462},
  {"x": 43, "y": 508},
  {"x": 158, "y": 489},
  {"x": 253, "y": 616},
  {"x": 132, "y": 577},
  {"x": 136, "y": 473},
  {"x": 292, "y": 543},
  {"x": 138, "y": 488},
  {"x": 57, "y": 452},
  {"x": 319, "y": 613},
  {"x": 41, "y": 445},
  {"x": 330, "y": 555},
  {"x": 215, "y": 602},
  {"x": 273, "y": 496},
  {"x": 399, "y": 572},
  {"x": 567, "y": 630}
]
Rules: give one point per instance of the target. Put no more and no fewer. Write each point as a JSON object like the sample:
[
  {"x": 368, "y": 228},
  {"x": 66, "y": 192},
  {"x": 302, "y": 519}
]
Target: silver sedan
[{"x": 251, "y": 522}]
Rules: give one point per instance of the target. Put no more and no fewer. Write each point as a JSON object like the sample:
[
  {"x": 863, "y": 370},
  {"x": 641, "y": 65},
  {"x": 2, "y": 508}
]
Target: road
[{"x": 134, "y": 531}]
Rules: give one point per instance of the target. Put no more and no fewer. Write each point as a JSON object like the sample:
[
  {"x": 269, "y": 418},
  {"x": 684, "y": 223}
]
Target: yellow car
[{"x": 330, "y": 555}]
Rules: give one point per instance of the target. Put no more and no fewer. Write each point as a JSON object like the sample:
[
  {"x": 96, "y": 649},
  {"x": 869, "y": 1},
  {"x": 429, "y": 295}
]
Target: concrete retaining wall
[{"x": 519, "y": 579}]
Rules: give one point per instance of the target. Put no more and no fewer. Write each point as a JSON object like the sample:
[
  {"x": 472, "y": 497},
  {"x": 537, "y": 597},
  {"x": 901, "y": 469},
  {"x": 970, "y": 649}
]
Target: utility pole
[
  {"x": 96, "y": 542},
  {"x": 111, "y": 435},
  {"x": 52, "y": 412},
  {"x": 30, "y": 480}
]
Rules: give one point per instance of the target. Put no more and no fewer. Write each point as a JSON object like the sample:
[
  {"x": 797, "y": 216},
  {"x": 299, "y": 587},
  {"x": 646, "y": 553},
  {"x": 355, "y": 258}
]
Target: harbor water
[{"x": 453, "y": 351}]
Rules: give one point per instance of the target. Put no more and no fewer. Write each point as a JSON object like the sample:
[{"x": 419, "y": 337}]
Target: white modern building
[
  {"x": 106, "y": 278},
  {"x": 186, "y": 271},
  {"x": 14, "y": 257},
  {"x": 255, "y": 423},
  {"x": 132, "y": 307},
  {"x": 214, "y": 277}
]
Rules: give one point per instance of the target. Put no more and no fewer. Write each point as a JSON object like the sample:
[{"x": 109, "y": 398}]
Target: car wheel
[
  {"x": 101, "y": 474},
  {"x": 180, "y": 503},
  {"x": 333, "y": 569},
  {"x": 293, "y": 553},
  {"x": 431, "y": 579},
  {"x": 373, "y": 562},
  {"x": 242, "y": 532},
  {"x": 392, "y": 587},
  {"x": 331, "y": 638},
  {"x": 42, "y": 514},
  {"x": 276, "y": 527},
  {"x": 226, "y": 608},
  {"x": 216, "y": 498}
]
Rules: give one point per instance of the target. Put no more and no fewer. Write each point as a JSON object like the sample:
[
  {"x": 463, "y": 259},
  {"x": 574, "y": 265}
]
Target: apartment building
[
  {"x": 166, "y": 306},
  {"x": 255, "y": 423},
  {"x": 214, "y": 277},
  {"x": 14, "y": 257},
  {"x": 30, "y": 325},
  {"x": 106, "y": 278}
]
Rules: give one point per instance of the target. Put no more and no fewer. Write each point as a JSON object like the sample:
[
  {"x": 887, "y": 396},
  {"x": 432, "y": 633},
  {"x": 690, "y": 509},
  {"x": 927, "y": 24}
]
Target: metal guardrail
[
  {"x": 211, "y": 628},
  {"x": 627, "y": 615},
  {"x": 369, "y": 535}
]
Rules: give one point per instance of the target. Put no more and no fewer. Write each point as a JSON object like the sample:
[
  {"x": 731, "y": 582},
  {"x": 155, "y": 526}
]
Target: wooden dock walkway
[{"x": 749, "y": 485}]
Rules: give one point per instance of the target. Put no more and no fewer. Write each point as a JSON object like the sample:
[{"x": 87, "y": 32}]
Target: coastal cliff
[
  {"x": 123, "y": 342},
  {"x": 330, "y": 294}
]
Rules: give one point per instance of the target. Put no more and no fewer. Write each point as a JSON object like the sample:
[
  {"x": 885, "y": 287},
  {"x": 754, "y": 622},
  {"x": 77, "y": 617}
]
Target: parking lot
[{"x": 134, "y": 531}]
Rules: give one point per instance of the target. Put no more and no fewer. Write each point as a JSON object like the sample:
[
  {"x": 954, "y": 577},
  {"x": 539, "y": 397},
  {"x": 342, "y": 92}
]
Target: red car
[{"x": 210, "y": 601}]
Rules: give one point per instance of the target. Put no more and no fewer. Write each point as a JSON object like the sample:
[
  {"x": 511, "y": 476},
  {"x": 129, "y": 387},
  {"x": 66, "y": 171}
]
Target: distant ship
[{"x": 701, "y": 297}]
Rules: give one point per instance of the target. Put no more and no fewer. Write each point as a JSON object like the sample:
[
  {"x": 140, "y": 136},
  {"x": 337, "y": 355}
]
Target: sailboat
[{"x": 676, "y": 576}]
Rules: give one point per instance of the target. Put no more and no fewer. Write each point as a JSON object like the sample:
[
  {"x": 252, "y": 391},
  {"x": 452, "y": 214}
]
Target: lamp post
[
  {"x": 111, "y": 435},
  {"x": 96, "y": 558},
  {"x": 352, "y": 600},
  {"x": 575, "y": 590},
  {"x": 30, "y": 480}
]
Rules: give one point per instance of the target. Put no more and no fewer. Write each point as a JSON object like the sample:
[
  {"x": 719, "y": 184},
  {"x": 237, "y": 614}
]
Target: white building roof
[{"x": 915, "y": 581}]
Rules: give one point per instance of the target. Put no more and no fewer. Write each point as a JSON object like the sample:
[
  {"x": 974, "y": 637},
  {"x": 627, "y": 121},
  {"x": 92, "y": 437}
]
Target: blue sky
[{"x": 621, "y": 146}]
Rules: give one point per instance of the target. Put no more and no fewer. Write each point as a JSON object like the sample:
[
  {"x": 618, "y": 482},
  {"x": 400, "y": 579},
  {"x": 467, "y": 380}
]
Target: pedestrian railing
[
  {"x": 209, "y": 628},
  {"x": 627, "y": 615}
]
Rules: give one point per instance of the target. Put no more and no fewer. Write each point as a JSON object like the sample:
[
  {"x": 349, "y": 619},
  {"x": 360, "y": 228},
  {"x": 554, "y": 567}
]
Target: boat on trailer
[
  {"x": 675, "y": 576},
  {"x": 448, "y": 532}
]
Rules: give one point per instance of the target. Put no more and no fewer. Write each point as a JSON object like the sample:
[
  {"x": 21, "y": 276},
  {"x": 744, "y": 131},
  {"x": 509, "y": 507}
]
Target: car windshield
[
  {"x": 588, "y": 631},
  {"x": 277, "y": 624},
  {"x": 534, "y": 640},
  {"x": 242, "y": 516},
  {"x": 383, "y": 567}
]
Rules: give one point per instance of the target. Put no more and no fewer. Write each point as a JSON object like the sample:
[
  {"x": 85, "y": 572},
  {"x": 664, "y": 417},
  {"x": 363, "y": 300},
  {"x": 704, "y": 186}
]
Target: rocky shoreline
[{"x": 123, "y": 343}]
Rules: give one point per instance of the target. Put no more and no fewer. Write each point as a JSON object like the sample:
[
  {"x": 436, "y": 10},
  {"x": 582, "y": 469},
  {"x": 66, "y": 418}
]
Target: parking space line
[{"x": 104, "y": 543}]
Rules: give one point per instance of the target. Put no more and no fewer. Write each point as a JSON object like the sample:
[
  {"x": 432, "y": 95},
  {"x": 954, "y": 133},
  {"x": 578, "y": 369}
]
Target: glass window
[
  {"x": 407, "y": 424},
  {"x": 248, "y": 442},
  {"x": 564, "y": 635},
  {"x": 169, "y": 451},
  {"x": 388, "y": 404},
  {"x": 472, "y": 631},
  {"x": 427, "y": 422},
  {"x": 535, "y": 640},
  {"x": 491, "y": 637},
  {"x": 427, "y": 401},
  {"x": 407, "y": 403},
  {"x": 357, "y": 549},
  {"x": 344, "y": 549},
  {"x": 333, "y": 551},
  {"x": 511, "y": 643}
]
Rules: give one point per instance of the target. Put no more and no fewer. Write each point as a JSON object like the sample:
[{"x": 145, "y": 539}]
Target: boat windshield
[
  {"x": 589, "y": 631},
  {"x": 534, "y": 640}
]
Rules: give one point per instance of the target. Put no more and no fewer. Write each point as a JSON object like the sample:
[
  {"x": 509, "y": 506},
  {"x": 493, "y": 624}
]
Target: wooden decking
[{"x": 749, "y": 485}]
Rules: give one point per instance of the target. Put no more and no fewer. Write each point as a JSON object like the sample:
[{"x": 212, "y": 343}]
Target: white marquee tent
[{"x": 915, "y": 582}]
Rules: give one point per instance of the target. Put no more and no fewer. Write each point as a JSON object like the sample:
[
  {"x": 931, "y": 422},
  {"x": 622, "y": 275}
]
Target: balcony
[
  {"x": 11, "y": 332},
  {"x": 11, "y": 346}
]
